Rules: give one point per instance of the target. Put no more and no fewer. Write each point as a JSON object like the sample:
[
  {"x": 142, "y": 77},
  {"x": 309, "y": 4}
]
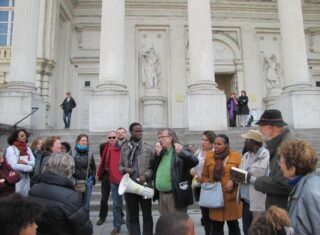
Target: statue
[
  {"x": 151, "y": 67},
  {"x": 272, "y": 71}
]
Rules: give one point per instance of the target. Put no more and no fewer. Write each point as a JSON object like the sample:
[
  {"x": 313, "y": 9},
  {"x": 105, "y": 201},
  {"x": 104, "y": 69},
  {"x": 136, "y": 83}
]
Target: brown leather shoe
[
  {"x": 115, "y": 231},
  {"x": 100, "y": 221}
]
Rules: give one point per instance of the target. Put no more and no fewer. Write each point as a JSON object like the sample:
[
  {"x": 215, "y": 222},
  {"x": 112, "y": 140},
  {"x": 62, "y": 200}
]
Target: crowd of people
[{"x": 51, "y": 182}]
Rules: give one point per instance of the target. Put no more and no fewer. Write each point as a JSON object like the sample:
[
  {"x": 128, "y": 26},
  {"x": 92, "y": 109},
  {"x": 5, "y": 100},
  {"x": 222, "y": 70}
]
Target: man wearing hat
[
  {"x": 275, "y": 185},
  {"x": 256, "y": 162}
]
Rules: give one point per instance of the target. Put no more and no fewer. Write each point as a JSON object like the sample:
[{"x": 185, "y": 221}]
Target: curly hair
[
  {"x": 298, "y": 154},
  {"x": 16, "y": 213},
  {"x": 272, "y": 222},
  {"x": 14, "y": 136}
]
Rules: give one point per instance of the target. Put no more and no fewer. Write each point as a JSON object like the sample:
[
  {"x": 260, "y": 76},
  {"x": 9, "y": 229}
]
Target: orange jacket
[{"x": 232, "y": 210}]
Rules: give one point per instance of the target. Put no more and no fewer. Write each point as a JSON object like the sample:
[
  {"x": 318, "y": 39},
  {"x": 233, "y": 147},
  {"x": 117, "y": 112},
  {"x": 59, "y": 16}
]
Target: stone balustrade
[{"x": 5, "y": 53}]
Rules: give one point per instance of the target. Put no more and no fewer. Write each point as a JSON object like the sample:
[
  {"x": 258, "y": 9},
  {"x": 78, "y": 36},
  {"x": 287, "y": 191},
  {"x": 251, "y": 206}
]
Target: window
[{"x": 6, "y": 22}]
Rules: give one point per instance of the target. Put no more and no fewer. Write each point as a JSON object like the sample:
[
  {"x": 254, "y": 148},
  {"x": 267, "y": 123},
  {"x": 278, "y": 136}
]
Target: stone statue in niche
[
  {"x": 151, "y": 68},
  {"x": 272, "y": 69}
]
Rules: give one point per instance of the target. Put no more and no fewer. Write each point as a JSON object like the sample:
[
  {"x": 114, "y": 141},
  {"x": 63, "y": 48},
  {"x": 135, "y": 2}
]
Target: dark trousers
[
  {"x": 246, "y": 217},
  {"x": 217, "y": 227},
  {"x": 133, "y": 201},
  {"x": 205, "y": 220},
  {"x": 105, "y": 193}
]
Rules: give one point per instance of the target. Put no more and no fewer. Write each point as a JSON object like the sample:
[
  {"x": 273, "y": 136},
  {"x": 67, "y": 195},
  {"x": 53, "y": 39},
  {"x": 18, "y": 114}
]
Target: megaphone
[{"x": 127, "y": 185}]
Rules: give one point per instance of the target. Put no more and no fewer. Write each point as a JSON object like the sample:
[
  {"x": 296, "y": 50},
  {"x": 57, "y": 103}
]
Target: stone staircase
[{"x": 185, "y": 137}]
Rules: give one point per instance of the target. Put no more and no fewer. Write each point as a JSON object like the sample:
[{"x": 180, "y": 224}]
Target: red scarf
[{"x": 22, "y": 146}]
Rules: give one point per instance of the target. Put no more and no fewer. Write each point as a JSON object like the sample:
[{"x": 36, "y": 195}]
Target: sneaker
[
  {"x": 115, "y": 231},
  {"x": 100, "y": 221}
]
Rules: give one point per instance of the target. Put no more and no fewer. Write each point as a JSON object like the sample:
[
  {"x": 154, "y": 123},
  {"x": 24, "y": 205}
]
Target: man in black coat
[
  {"x": 275, "y": 185},
  {"x": 67, "y": 105},
  {"x": 171, "y": 166},
  {"x": 64, "y": 211}
]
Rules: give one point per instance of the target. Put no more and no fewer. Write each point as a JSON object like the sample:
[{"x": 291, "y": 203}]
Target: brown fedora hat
[{"x": 271, "y": 117}]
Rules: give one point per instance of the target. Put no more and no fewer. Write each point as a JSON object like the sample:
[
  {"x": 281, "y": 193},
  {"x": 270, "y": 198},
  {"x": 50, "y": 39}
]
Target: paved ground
[{"x": 107, "y": 227}]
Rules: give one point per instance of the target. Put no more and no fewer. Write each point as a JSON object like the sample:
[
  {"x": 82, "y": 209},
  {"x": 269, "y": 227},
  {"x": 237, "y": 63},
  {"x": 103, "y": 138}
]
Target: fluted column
[
  {"x": 24, "y": 46},
  {"x": 298, "y": 98},
  {"x": 112, "y": 44},
  {"x": 200, "y": 41},
  {"x": 206, "y": 105},
  {"x": 110, "y": 99},
  {"x": 295, "y": 65}
]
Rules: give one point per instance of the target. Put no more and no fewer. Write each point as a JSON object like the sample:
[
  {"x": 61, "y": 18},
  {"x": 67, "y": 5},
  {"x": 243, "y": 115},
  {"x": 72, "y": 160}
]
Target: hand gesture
[
  {"x": 12, "y": 173},
  {"x": 158, "y": 149},
  {"x": 178, "y": 148}
]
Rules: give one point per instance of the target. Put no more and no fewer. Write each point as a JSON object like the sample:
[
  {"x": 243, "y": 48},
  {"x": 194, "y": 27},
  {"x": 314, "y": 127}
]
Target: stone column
[
  {"x": 109, "y": 104},
  {"x": 24, "y": 46},
  {"x": 298, "y": 99},
  {"x": 21, "y": 90},
  {"x": 206, "y": 104}
]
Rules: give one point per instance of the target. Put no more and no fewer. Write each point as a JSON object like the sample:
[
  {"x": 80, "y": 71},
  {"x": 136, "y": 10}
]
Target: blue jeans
[
  {"x": 117, "y": 206},
  {"x": 86, "y": 196},
  {"x": 67, "y": 119}
]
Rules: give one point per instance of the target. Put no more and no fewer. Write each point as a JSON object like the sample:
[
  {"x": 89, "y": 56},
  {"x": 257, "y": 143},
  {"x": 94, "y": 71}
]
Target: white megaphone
[{"x": 127, "y": 185}]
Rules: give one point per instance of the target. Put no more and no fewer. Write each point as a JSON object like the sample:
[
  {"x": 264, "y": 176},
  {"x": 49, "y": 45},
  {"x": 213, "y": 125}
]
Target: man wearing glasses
[
  {"x": 171, "y": 165},
  {"x": 103, "y": 176}
]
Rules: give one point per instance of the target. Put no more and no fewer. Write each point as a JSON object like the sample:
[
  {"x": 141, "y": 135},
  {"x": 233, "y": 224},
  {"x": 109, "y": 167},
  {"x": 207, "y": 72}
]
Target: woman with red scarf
[{"x": 20, "y": 158}]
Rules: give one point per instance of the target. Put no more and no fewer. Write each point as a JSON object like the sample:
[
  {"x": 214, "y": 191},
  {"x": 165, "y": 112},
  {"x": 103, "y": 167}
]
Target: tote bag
[{"x": 211, "y": 195}]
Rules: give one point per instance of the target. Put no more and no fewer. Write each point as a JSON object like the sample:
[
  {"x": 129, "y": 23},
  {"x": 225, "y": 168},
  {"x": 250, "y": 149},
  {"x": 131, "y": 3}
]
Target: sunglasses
[{"x": 112, "y": 137}]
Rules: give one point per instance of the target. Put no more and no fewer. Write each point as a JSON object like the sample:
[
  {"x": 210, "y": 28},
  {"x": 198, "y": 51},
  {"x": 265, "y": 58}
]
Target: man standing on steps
[
  {"x": 67, "y": 105},
  {"x": 103, "y": 176},
  {"x": 115, "y": 177},
  {"x": 135, "y": 160}
]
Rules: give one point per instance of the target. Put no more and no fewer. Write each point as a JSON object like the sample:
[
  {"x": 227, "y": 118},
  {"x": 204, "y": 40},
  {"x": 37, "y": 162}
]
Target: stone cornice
[{"x": 178, "y": 8}]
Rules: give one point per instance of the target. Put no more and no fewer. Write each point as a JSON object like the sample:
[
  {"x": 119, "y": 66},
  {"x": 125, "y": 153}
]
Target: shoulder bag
[{"x": 211, "y": 195}]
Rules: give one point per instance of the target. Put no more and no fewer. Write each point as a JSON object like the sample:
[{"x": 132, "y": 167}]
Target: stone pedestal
[
  {"x": 206, "y": 110},
  {"x": 300, "y": 108},
  {"x": 271, "y": 98},
  {"x": 153, "y": 111},
  {"x": 17, "y": 105}
]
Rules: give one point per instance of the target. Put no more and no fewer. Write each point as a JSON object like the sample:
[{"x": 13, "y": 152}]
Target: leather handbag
[
  {"x": 81, "y": 186},
  {"x": 211, "y": 195}
]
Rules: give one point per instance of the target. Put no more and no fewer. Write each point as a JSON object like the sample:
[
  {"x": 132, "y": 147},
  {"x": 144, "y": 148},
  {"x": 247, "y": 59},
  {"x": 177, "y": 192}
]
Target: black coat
[
  {"x": 68, "y": 106},
  {"x": 243, "y": 108},
  {"x": 180, "y": 168},
  {"x": 65, "y": 213}
]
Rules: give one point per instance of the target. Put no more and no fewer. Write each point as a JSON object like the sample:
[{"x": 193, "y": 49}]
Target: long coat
[{"x": 232, "y": 209}]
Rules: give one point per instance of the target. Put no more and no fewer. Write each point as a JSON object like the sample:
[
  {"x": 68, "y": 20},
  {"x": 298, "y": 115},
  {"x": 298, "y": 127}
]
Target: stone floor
[{"x": 107, "y": 227}]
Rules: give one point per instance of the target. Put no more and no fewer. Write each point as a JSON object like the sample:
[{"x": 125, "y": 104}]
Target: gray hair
[{"x": 61, "y": 164}]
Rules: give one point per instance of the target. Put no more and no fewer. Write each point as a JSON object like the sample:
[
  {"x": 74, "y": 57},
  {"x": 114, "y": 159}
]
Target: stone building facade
[{"x": 159, "y": 62}]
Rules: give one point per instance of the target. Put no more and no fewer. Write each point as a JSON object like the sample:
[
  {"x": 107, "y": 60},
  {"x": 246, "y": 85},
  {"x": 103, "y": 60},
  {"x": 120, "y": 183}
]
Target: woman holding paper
[{"x": 216, "y": 168}]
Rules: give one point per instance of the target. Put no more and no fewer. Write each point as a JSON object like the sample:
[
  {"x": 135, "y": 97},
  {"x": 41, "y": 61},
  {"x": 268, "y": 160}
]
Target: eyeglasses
[{"x": 112, "y": 137}]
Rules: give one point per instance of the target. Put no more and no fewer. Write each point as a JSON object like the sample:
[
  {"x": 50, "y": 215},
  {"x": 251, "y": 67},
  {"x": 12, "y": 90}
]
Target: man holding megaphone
[
  {"x": 171, "y": 165},
  {"x": 135, "y": 160}
]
